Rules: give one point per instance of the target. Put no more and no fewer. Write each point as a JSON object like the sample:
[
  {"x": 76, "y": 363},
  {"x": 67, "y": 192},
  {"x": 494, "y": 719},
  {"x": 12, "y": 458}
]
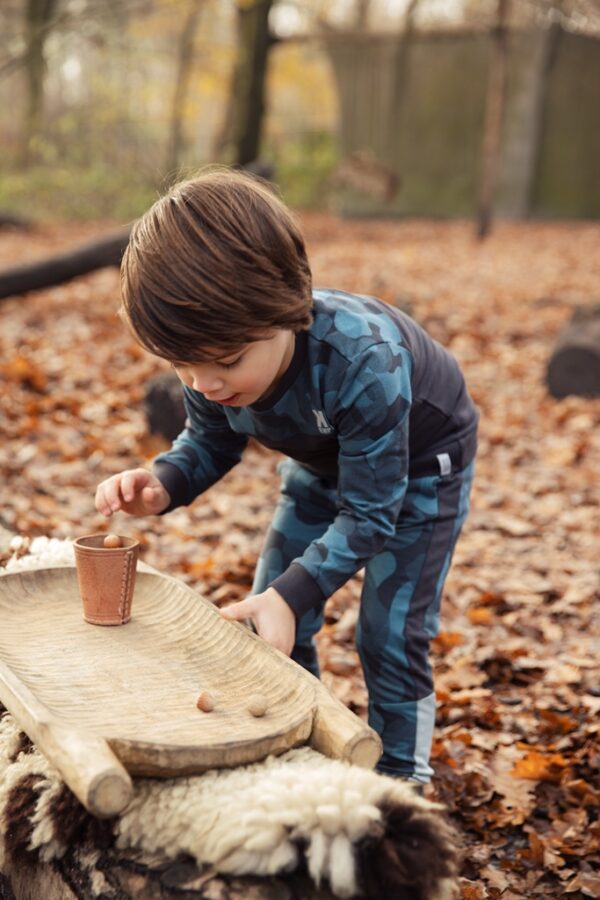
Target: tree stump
[{"x": 574, "y": 365}]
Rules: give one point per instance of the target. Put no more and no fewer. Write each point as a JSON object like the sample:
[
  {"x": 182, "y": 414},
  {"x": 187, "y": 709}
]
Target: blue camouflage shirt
[{"x": 369, "y": 400}]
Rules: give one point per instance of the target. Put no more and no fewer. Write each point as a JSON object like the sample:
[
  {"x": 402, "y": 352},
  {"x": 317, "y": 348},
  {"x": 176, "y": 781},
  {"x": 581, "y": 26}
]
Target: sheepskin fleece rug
[{"x": 364, "y": 834}]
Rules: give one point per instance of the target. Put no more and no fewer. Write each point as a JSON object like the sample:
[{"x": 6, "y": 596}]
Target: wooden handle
[
  {"x": 85, "y": 761},
  {"x": 338, "y": 733}
]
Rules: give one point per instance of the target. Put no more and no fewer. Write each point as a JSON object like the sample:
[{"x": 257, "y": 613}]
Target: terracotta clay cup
[{"x": 106, "y": 578}]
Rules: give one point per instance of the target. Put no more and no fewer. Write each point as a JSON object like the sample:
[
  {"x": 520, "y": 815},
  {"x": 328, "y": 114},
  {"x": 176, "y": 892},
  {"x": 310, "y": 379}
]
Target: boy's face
[{"x": 244, "y": 376}]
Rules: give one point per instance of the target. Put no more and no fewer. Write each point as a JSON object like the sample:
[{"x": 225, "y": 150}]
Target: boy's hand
[
  {"x": 274, "y": 620},
  {"x": 135, "y": 491}
]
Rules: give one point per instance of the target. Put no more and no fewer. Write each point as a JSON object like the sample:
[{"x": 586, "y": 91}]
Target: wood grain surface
[{"x": 136, "y": 685}]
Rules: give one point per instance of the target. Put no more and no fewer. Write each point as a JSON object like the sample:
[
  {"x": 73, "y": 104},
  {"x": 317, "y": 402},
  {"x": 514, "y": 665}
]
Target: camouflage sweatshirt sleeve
[
  {"x": 370, "y": 413},
  {"x": 205, "y": 450}
]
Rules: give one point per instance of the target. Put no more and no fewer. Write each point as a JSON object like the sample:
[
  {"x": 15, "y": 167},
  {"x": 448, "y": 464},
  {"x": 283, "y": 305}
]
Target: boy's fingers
[
  {"x": 153, "y": 497},
  {"x": 108, "y": 499},
  {"x": 112, "y": 494},
  {"x": 101, "y": 503},
  {"x": 127, "y": 489},
  {"x": 129, "y": 485},
  {"x": 241, "y": 610}
]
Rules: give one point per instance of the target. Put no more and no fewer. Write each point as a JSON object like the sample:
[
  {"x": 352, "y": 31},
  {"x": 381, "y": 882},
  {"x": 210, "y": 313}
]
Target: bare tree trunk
[
  {"x": 38, "y": 16},
  {"x": 399, "y": 83},
  {"x": 494, "y": 116},
  {"x": 185, "y": 59},
  {"x": 537, "y": 122},
  {"x": 239, "y": 141},
  {"x": 361, "y": 15}
]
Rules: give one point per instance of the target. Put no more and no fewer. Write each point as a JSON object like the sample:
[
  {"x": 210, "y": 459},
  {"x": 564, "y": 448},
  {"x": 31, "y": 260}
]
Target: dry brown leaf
[
  {"x": 586, "y": 882},
  {"x": 536, "y": 766}
]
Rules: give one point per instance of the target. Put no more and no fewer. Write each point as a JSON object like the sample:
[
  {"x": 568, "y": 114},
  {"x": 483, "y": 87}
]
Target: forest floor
[{"x": 516, "y": 751}]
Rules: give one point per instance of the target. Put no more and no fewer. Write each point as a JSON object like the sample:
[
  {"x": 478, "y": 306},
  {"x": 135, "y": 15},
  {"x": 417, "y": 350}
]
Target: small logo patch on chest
[{"x": 322, "y": 423}]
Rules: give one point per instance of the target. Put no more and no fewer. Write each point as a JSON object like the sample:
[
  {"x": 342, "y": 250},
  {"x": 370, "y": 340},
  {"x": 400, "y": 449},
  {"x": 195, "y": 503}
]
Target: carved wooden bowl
[{"x": 99, "y": 701}]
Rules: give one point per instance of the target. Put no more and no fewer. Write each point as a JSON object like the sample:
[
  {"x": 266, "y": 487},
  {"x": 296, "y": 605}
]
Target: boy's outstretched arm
[
  {"x": 135, "y": 491},
  {"x": 274, "y": 620}
]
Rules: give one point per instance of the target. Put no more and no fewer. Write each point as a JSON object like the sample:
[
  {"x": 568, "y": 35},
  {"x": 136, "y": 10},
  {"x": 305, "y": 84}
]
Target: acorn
[
  {"x": 206, "y": 701},
  {"x": 257, "y": 705},
  {"x": 112, "y": 541}
]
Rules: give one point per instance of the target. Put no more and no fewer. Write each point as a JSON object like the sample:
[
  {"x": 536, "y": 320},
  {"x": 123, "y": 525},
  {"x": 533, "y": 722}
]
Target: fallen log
[
  {"x": 574, "y": 365},
  {"x": 12, "y": 220},
  {"x": 53, "y": 270}
]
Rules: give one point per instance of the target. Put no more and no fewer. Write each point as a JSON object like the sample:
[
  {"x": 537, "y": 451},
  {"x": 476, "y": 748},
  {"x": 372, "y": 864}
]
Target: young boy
[{"x": 372, "y": 414}]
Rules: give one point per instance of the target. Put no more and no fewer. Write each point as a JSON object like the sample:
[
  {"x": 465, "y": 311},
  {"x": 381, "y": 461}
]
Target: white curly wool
[
  {"x": 9, "y": 741},
  {"x": 42, "y": 552},
  {"x": 12, "y": 772},
  {"x": 254, "y": 819},
  {"x": 43, "y": 836}
]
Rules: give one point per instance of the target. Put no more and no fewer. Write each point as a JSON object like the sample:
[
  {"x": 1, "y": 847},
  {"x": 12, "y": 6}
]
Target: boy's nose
[{"x": 207, "y": 384}]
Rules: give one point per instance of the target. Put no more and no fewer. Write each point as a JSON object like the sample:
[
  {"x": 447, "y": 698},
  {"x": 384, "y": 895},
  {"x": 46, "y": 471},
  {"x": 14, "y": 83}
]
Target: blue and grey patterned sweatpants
[{"x": 400, "y": 602}]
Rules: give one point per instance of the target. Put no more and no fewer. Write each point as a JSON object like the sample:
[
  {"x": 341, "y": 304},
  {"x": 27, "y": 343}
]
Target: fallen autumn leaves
[{"x": 516, "y": 750}]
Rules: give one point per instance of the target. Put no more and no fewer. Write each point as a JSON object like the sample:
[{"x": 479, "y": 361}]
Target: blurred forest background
[
  {"x": 104, "y": 102},
  {"x": 447, "y": 120}
]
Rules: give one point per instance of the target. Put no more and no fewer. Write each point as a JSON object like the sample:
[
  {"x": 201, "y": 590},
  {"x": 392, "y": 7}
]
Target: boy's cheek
[{"x": 183, "y": 379}]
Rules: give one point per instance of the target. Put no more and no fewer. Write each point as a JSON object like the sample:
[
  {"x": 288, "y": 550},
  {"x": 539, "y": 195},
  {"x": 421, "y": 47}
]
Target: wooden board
[
  {"x": 136, "y": 685},
  {"x": 102, "y": 702}
]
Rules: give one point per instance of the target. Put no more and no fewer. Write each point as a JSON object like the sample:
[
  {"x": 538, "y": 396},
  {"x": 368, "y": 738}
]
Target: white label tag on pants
[{"x": 445, "y": 463}]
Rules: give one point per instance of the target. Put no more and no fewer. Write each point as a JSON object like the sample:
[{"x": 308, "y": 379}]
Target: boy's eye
[{"x": 231, "y": 363}]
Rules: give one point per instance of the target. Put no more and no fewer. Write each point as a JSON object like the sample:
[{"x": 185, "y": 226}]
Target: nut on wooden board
[
  {"x": 206, "y": 701},
  {"x": 257, "y": 705}
]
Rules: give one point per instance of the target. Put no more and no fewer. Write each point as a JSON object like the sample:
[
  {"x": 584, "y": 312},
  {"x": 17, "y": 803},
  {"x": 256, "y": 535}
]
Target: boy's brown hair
[{"x": 216, "y": 263}]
